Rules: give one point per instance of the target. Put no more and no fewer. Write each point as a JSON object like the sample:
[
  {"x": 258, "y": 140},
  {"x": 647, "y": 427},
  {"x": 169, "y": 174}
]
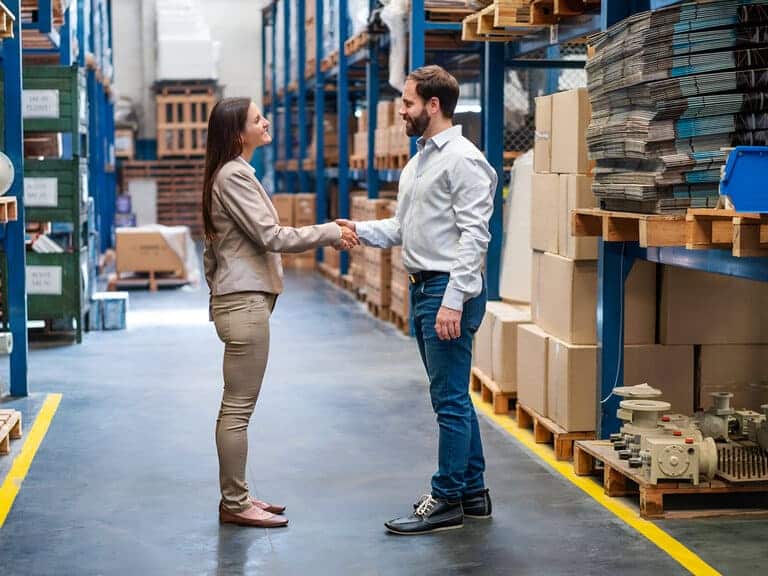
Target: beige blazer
[{"x": 244, "y": 255}]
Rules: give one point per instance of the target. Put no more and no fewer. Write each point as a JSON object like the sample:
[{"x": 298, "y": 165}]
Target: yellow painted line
[
  {"x": 12, "y": 483},
  {"x": 684, "y": 556}
]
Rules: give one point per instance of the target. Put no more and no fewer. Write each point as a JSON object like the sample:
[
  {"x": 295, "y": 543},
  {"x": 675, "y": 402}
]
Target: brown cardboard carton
[
  {"x": 385, "y": 114},
  {"x": 739, "y": 369},
  {"x": 504, "y": 344},
  {"x": 284, "y": 204},
  {"x": 148, "y": 250},
  {"x": 483, "y": 356},
  {"x": 532, "y": 358},
  {"x": 571, "y": 114},
  {"x": 703, "y": 308},
  {"x": 668, "y": 368},
  {"x": 572, "y": 385},
  {"x": 305, "y": 210},
  {"x": 516, "y": 265},
  {"x": 564, "y": 300},
  {"x": 545, "y": 211},
  {"x": 575, "y": 192},
  {"x": 542, "y": 148}
]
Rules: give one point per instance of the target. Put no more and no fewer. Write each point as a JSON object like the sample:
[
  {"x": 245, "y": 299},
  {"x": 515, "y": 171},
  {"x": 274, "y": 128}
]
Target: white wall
[{"x": 235, "y": 24}]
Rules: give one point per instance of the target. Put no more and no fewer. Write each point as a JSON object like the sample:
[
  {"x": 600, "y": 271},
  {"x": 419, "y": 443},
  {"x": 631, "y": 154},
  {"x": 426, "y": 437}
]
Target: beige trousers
[{"x": 242, "y": 323}]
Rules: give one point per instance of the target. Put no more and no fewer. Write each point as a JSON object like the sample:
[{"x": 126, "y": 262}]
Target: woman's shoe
[
  {"x": 254, "y": 516},
  {"x": 274, "y": 508}
]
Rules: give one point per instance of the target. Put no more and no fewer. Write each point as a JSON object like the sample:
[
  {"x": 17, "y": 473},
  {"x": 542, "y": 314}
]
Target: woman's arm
[{"x": 247, "y": 207}]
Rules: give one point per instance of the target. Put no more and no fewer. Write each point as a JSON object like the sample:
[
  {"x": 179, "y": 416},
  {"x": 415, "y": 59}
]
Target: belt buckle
[{"x": 412, "y": 278}]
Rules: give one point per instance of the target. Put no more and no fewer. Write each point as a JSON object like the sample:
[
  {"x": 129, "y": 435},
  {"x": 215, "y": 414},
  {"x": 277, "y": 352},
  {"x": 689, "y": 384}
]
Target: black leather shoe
[
  {"x": 431, "y": 515},
  {"x": 477, "y": 505}
]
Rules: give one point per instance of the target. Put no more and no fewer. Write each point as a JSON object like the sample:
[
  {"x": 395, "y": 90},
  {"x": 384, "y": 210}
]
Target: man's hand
[
  {"x": 348, "y": 239},
  {"x": 346, "y": 224},
  {"x": 448, "y": 324}
]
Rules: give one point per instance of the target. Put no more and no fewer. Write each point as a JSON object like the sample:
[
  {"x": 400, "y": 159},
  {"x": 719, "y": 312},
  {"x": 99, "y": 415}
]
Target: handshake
[{"x": 349, "y": 238}]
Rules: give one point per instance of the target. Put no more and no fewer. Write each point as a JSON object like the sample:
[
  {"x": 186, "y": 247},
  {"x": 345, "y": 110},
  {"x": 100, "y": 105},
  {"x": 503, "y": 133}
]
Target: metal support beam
[
  {"x": 493, "y": 143},
  {"x": 14, "y": 234},
  {"x": 372, "y": 96},
  {"x": 302, "y": 97},
  {"x": 322, "y": 206},
  {"x": 275, "y": 127},
  {"x": 528, "y": 63},
  {"x": 553, "y": 74},
  {"x": 418, "y": 40},
  {"x": 287, "y": 117},
  {"x": 343, "y": 108}
]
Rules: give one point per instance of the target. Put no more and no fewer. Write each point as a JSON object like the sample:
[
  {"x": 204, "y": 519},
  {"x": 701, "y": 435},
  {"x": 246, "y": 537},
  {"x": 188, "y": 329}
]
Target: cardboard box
[
  {"x": 545, "y": 212},
  {"x": 571, "y": 114},
  {"x": 703, "y": 308},
  {"x": 504, "y": 344},
  {"x": 564, "y": 300},
  {"x": 149, "y": 250},
  {"x": 532, "y": 361},
  {"x": 284, "y": 205},
  {"x": 482, "y": 356},
  {"x": 668, "y": 368},
  {"x": 385, "y": 114},
  {"x": 542, "y": 148},
  {"x": 575, "y": 192},
  {"x": 517, "y": 257},
  {"x": 739, "y": 369},
  {"x": 304, "y": 210},
  {"x": 572, "y": 385}
]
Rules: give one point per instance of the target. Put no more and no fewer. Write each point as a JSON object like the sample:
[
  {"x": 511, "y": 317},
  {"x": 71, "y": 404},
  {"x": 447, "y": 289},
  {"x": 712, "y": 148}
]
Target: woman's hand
[{"x": 348, "y": 239}]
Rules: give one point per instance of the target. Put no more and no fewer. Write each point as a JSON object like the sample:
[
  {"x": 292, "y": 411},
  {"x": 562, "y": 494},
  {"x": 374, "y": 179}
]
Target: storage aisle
[{"x": 125, "y": 482}]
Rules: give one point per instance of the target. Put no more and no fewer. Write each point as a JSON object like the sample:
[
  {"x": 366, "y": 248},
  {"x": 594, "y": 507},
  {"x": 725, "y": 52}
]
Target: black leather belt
[{"x": 419, "y": 277}]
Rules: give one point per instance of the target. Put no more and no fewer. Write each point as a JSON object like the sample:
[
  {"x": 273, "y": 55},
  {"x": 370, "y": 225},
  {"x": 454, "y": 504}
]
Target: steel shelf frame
[{"x": 13, "y": 233}]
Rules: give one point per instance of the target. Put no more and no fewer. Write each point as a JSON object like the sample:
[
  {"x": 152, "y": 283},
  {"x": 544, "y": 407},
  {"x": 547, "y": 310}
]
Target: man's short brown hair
[{"x": 434, "y": 82}]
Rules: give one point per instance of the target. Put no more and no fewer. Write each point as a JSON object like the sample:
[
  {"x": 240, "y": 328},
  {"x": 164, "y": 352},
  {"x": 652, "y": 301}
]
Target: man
[{"x": 445, "y": 202}]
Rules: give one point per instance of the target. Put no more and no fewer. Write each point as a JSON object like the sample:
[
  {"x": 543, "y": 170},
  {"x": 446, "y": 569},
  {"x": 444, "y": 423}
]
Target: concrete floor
[{"x": 126, "y": 480}]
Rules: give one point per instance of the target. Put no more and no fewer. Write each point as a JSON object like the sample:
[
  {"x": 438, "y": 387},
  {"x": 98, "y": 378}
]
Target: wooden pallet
[
  {"x": 402, "y": 324},
  {"x": 378, "y": 311},
  {"x": 356, "y": 43},
  {"x": 329, "y": 61},
  {"x": 502, "y": 21},
  {"x": 10, "y": 429},
  {"x": 490, "y": 392},
  {"x": 698, "y": 229},
  {"x": 620, "y": 480},
  {"x": 149, "y": 280},
  {"x": 445, "y": 14},
  {"x": 545, "y": 431}
]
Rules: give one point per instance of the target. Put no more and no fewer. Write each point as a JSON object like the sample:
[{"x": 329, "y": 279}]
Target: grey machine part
[{"x": 762, "y": 431}]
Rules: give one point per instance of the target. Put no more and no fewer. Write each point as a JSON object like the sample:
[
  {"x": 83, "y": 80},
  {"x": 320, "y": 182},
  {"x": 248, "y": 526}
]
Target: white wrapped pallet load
[
  {"x": 330, "y": 27},
  {"x": 395, "y": 16},
  {"x": 280, "y": 45},
  {"x": 359, "y": 10},
  {"x": 517, "y": 260},
  {"x": 185, "y": 49},
  {"x": 293, "y": 35}
]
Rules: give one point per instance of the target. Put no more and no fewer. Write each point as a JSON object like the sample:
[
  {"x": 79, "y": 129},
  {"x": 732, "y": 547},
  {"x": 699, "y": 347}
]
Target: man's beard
[{"x": 417, "y": 126}]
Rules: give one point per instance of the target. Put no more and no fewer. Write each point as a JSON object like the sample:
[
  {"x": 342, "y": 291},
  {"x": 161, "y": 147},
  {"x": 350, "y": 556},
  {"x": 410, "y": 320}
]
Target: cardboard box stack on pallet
[
  {"x": 385, "y": 119},
  {"x": 400, "y": 294},
  {"x": 330, "y": 142},
  {"x": 297, "y": 210},
  {"x": 359, "y": 157},
  {"x": 311, "y": 39},
  {"x": 378, "y": 263}
]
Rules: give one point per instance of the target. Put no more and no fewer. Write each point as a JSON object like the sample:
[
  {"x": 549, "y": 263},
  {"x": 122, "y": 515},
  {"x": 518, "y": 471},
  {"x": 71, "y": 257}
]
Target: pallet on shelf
[
  {"x": 182, "y": 118},
  {"x": 620, "y": 480},
  {"x": 356, "y": 43},
  {"x": 10, "y": 429},
  {"x": 379, "y": 311},
  {"x": 358, "y": 162},
  {"x": 446, "y": 13},
  {"x": 545, "y": 431},
  {"x": 647, "y": 229},
  {"x": 745, "y": 234},
  {"x": 490, "y": 392},
  {"x": 502, "y": 21},
  {"x": 329, "y": 61}
]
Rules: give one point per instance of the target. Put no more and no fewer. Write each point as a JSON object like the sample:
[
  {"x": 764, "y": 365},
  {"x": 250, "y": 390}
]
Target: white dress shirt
[{"x": 444, "y": 205}]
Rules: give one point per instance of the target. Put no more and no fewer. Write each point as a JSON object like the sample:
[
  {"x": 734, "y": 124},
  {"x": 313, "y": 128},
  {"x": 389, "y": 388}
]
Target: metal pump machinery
[
  {"x": 723, "y": 423},
  {"x": 666, "y": 446}
]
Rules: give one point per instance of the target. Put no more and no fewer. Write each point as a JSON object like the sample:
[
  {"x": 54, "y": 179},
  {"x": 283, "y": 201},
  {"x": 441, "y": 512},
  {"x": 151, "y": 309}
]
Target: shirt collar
[
  {"x": 244, "y": 161},
  {"x": 441, "y": 139}
]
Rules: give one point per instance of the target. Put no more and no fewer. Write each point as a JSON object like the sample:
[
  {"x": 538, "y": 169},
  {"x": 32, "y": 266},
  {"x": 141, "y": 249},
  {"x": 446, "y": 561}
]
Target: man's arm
[
  {"x": 377, "y": 233},
  {"x": 474, "y": 186}
]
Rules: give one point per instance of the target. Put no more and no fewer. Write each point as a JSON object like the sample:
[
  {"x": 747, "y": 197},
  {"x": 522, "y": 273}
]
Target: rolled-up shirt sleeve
[{"x": 474, "y": 183}]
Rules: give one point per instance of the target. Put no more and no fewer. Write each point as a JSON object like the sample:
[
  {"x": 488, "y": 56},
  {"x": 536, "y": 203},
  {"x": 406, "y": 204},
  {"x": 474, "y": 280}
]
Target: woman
[{"x": 243, "y": 239}]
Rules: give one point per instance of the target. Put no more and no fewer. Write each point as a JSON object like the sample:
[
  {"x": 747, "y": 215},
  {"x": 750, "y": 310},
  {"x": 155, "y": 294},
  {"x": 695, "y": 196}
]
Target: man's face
[{"x": 414, "y": 111}]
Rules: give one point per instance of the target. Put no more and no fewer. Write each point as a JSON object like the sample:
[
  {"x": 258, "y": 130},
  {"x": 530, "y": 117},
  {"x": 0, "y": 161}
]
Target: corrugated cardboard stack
[
  {"x": 378, "y": 263},
  {"x": 360, "y": 139},
  {"x": 297, "y": 210},
  {"x": 385, "y": 120},
  {"x": 399, "y": 143},
  {"x": 358, "y": 211},
  {"x": 557, "y": 354},
  {"x": 400, "y": 296},
  {"x": 330, "y": 141}
]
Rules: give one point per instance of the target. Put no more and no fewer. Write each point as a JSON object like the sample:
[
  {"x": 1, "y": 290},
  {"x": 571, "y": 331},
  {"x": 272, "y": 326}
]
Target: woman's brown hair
[{"x": 227, "y": 121}]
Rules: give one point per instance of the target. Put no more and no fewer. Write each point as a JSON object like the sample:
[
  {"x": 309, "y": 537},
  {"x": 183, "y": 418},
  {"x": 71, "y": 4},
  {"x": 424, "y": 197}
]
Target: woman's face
[{"x": 256, "y": 131}]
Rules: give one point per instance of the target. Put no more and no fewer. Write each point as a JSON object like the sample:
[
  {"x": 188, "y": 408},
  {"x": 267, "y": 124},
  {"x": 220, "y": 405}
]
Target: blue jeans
[{"x": 448, "y": 362}]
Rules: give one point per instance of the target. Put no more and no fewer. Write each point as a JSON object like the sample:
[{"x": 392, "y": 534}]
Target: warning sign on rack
[{"x": 40, "y": 104}]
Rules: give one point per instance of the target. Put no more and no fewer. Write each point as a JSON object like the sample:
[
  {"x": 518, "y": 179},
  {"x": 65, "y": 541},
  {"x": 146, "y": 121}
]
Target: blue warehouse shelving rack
[{"x": 65, "y": 187}]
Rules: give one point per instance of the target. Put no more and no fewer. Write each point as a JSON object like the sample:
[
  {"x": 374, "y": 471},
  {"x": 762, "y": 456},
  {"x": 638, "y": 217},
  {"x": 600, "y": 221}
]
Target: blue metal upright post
[
  {"x": 372, "y": 96},
  {"x": 342, "y": 95},
  {"x": 417, "y": 39},
  {"x": 553, "y": 74},
  {"x": 287, "y": 117},
  {"x": 14, "y": 233},
  {"x": 493, "y": 143},
  {"x": 322, "y": 208},
  {"x": 302, "y": 96},
  {"x": 275, "y": 127}
]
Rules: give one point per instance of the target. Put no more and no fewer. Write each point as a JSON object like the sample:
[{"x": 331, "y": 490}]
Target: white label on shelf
[
  {"x": 45, "y": 280},
  {"x": 40, "y": 104},
  {"x": 41, "y": 192}
]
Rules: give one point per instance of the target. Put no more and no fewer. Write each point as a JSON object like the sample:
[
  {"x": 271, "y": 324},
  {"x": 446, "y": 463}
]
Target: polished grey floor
[{"x": 126, "y": 480}]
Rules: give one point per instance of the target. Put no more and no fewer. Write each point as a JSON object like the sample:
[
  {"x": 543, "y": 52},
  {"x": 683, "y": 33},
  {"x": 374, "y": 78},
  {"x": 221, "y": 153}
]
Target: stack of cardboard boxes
[
  {"x": 385, "y": 120},
  {"x": 400, "y": 300},
  {"x": 297, "y": 210},
  {"x": 311, "y": 39},
  {"x": 360, "y": 140},
  {"x": 378, "y": 262},
  {"x": 357, "y": 212},
  {"x": 330, "y": 141}
]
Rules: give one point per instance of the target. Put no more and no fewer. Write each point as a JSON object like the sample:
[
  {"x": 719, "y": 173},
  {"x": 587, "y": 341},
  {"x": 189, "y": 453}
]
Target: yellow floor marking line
[
  {"x": 685, "y": 557},
  {"x": 12, "y": 483}
]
